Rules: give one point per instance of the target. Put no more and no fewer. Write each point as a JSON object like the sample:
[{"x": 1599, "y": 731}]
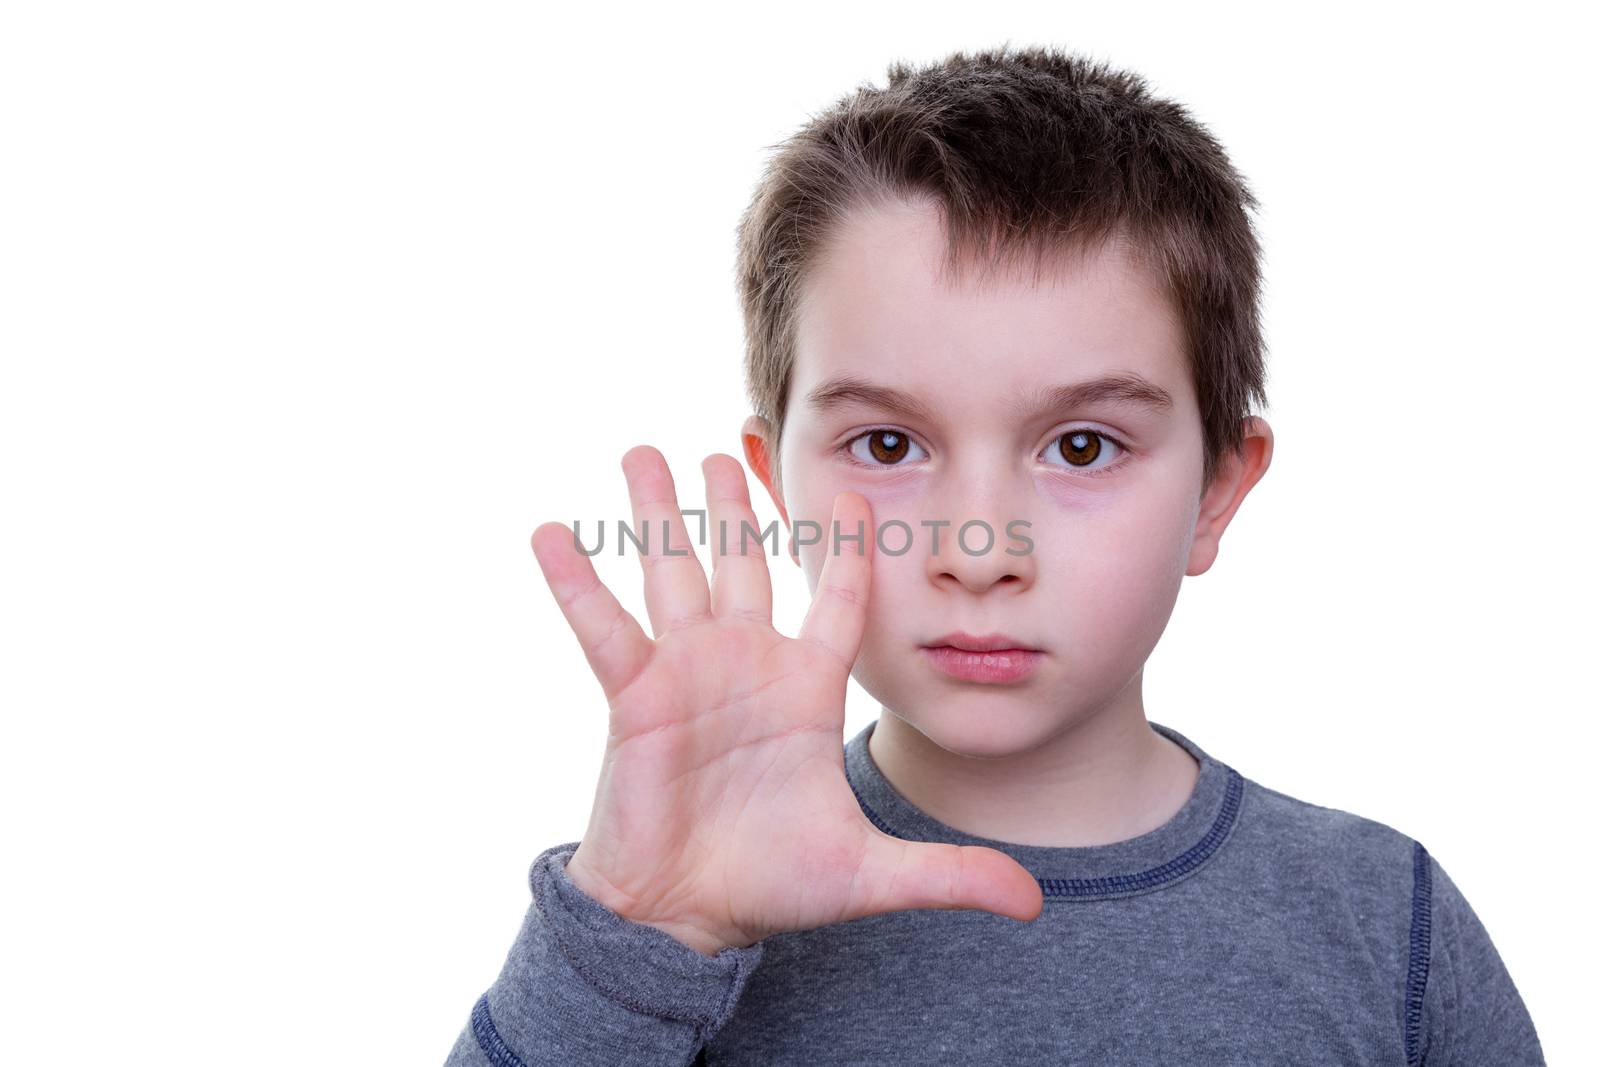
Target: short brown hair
[{"x": 1024, "y": 150}]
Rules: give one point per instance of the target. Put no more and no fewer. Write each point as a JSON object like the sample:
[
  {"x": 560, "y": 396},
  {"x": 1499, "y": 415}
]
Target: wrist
[{"x": 600, "y": 890}]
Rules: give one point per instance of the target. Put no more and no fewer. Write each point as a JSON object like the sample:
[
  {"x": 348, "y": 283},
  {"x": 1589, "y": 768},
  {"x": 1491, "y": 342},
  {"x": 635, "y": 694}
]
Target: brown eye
[
  {"x": 884, "y": 447},
  {"x": 1081, "y": 448}
]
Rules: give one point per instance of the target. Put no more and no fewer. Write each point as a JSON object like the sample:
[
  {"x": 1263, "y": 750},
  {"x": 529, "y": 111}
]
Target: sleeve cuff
[{"x": 636, "y": 965}]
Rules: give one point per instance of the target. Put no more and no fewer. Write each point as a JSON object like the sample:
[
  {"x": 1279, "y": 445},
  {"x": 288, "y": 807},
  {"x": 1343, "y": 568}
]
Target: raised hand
[{"x": 723, "y": 813}]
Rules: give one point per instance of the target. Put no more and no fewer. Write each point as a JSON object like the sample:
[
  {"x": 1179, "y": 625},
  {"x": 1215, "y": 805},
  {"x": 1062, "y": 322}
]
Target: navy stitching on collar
[
  {"x": 1421, "y": 939},
  {"x": 1122, "y": 883},
  {"x": 1174, "y": 868},
  {"x": 873, "y": 817},
  {"x": 498, "y": 1051}
]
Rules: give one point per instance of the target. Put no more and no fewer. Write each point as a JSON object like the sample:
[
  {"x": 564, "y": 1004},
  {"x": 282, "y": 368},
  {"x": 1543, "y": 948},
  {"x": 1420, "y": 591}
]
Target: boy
[{"x": 1002, "y": 343}]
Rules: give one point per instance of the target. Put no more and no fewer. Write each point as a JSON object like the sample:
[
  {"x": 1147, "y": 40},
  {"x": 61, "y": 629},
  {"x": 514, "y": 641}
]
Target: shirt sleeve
[
  {"x": 583, "y": 985},
  {"x": 1471, "y": 1011}
]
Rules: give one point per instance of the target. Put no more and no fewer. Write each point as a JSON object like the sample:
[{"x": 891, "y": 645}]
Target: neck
[{"x": 1106, "y": 777}]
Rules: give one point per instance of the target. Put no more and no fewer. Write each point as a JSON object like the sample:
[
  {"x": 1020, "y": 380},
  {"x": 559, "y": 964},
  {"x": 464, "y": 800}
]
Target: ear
[
  {"x": 760, "y": 452},
  {"x": 1236, "y": 473}
]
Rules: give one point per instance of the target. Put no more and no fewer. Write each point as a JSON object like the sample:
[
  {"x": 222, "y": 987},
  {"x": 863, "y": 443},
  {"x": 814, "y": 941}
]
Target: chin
[{"x": 984, "y": 724}]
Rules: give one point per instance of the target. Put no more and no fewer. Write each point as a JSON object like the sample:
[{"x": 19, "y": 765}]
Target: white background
[{"x": 312, "y": 312}]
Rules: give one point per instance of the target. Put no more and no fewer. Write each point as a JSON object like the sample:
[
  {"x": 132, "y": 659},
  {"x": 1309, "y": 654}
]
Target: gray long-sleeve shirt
[{"x": 1251, "y": 927}]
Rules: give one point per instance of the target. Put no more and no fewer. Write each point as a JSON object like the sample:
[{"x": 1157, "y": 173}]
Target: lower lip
[{"x": 999, "y": 665}]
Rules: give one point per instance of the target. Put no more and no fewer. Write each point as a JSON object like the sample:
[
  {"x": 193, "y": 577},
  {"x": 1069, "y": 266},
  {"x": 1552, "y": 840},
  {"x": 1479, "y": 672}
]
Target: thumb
[{"x": 916, "y": 874}]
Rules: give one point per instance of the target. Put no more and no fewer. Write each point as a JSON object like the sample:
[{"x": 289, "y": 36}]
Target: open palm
[{"x": 723, "y": 813}]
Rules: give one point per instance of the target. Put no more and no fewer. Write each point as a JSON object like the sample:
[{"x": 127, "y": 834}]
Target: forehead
[{"x": 879, "y": 305}]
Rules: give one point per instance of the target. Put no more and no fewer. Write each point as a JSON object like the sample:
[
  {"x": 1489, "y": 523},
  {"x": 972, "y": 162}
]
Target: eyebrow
[{"x": 1123, "y": 388}]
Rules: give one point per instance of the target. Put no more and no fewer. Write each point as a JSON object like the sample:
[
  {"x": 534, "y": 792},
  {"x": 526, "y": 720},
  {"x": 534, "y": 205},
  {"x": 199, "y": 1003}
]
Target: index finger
[{"x": 838, "y": 614}]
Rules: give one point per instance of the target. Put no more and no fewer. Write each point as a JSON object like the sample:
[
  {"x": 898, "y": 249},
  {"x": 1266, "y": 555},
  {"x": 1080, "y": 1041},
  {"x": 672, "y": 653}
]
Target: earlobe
[{"x": 1236, "y": 474}]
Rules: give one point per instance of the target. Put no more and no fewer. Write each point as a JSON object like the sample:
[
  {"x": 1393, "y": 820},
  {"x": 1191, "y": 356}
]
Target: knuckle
[
  {"x": 831, "y": 653},
  {"x": 594, "y": 585},
  {"x": 685, "y": 622},
  {"x": 843, "y": 592},
  {"x": 618, "y": 624}
]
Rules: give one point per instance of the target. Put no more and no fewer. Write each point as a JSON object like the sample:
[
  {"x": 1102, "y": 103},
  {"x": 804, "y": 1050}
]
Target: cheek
[
  {"x": 1137, "y": 528},
  {"x": 896, "y": 603},
  {"x": 1115, "y": 566}
]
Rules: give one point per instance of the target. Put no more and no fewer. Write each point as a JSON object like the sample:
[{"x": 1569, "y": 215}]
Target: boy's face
[{"x": 1114, "y": 531}]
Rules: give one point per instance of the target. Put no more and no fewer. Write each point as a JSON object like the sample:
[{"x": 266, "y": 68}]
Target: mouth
[
  {"x": 966, "y": 642},
  {"x": 988, "y": 658}
]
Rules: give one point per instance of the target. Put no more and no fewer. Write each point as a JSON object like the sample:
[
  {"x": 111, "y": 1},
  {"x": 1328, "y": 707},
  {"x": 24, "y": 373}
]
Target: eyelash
[{"x": 1123, "y": 450}]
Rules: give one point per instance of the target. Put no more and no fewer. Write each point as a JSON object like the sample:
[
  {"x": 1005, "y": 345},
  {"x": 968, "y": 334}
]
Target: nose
[{"x": 984, "y": 543}]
